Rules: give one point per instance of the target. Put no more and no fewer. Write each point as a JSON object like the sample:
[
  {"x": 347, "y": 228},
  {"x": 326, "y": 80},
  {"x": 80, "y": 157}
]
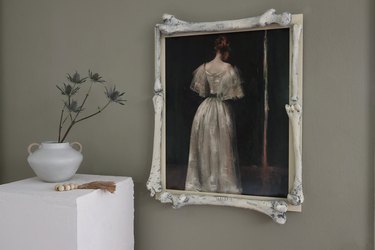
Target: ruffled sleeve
[
  {"x": 231, "y": 85},
  {"x": 199, "y": 83}
]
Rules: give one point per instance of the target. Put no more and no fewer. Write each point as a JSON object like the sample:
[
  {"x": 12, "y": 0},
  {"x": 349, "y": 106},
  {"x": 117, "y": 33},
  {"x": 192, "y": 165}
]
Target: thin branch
[
  {"x": 63, "y": 122},
  {"x": 67, "y": 131},
  {"x": 77, "y": 114},
  {"x": 69, "y": 101},
  {"x": 60, "y": 124},
  {"x": 93, "y": 114},
  {"x": 84, "y": 101},
  {"x": 70, "y": 113}
]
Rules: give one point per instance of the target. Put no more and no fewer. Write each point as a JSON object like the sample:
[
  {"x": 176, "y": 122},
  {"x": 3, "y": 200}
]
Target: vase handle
[
  {"x": 78, "y": 144},
  {"x": 29, "y": 148}
]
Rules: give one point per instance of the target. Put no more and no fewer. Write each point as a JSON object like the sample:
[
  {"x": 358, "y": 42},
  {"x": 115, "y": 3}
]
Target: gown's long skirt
[{"x": 213, "y": 161}]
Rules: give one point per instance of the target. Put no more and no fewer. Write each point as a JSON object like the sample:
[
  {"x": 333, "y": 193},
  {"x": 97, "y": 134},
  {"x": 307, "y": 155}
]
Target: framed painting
[{"x": 228, "y": 113}]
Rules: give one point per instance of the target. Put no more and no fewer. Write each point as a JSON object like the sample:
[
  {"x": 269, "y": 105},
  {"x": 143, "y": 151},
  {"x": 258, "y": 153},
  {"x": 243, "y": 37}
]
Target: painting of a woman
[
  {"x": 213, "y": 164},
  {"x": 228, "y": 132}
]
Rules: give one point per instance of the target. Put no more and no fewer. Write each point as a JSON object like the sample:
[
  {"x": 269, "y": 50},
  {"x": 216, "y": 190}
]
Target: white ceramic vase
[{"x": 55, "y": 162}]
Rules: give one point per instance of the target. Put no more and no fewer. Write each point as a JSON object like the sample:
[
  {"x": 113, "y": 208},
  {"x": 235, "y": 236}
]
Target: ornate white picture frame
[{"x": 275, "y": 207}]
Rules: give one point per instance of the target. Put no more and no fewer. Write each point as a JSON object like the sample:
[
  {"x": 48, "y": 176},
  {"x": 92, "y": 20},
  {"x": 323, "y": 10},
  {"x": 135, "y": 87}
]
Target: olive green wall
[{"x": 41, "y": 40}]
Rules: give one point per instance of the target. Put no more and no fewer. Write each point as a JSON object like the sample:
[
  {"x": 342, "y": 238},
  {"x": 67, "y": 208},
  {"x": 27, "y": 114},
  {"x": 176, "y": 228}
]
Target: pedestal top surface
[{"x": 40, "y": 190}]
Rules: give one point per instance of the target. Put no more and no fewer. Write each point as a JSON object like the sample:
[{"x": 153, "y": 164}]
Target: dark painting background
[{"x": 183, "y": 56}]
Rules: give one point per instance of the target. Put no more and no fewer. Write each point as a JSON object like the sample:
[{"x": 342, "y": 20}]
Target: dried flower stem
[
  {"x": 60, "y": 124},
  {"x": 70, "y": 113},
  {"x": 84, "y": 100},
  {"x": 63, "y": 122},
  {"x": 93, "y": 114},
  {"x": 84, "y": 118},
  {"x": 74, "y": 121},
  {"x": 73, "y": 110},
  {"x": 69, "y": 100}
]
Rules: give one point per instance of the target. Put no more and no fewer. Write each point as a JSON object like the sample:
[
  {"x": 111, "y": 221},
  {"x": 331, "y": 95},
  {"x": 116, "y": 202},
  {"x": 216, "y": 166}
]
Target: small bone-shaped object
[{"x": 66, "y": 187}]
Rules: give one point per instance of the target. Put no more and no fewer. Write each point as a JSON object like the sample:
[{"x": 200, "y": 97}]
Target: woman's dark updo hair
[{"x": 222, "y": 44}]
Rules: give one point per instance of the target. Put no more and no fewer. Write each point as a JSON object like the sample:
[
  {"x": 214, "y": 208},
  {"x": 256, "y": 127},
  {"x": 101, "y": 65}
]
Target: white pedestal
[{"x": 35, "y": 217}]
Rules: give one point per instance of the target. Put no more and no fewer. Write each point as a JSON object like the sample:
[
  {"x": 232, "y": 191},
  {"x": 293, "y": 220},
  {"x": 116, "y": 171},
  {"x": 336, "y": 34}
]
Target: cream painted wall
[{"x": 41, "y": 40}]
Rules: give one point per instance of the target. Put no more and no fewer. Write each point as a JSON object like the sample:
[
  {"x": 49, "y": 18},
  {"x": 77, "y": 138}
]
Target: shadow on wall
[{"x": 1, "y": 91}]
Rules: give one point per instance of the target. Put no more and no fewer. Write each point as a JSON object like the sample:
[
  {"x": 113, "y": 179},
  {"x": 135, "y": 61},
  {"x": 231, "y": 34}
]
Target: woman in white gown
[{"x": 213, "y": 160}]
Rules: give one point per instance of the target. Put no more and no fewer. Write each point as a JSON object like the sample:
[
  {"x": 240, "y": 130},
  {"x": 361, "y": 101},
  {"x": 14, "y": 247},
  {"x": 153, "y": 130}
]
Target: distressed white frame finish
[{"x": 275, "y": 208}]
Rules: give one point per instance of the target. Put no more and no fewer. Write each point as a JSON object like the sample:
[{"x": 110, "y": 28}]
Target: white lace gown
[{"x": 213, "y": 159}]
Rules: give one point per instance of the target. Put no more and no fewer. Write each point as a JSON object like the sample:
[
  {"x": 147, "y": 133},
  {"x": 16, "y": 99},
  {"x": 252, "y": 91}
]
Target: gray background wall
[{"x": 41, "y": 40}]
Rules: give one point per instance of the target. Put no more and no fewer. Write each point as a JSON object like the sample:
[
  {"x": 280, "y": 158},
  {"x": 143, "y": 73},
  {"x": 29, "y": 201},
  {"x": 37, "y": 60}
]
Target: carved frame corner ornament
[{"x": 275, "y": 208}]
